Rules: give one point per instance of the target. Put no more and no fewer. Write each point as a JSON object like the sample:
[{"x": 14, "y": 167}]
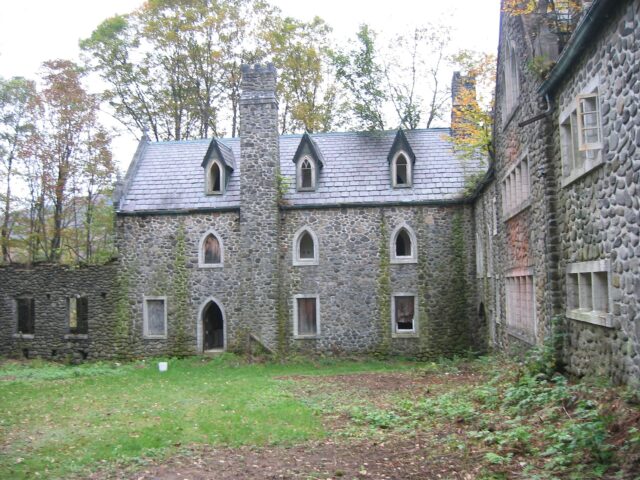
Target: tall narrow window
[
  {"x": 211, "y": 252},
  {"x": 305, "y": 247},
  {"x": 401, "y": 171},
  {"x": 26, "y": 315},
  {"x": 155, "y": 317},
  {"x": 215, "y": 178},
  {"x": 78, "y": 309},
  {"x": 306, "y": 316},
  {"x": 403, "y": 245},
  {"x": 404, "y": 314},
  {"x": 307, "y": 174}
]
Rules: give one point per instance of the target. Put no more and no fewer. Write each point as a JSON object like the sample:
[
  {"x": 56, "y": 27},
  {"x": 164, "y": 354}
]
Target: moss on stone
[
  {"x": 180, "y": 289},
  {"x": 384, "y": 291}
]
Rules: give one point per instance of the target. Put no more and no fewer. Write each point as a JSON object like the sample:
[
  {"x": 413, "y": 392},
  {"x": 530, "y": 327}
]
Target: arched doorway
[{"x": 212, "y": 327}]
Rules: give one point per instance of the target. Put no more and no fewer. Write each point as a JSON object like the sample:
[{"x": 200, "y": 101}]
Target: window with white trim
[
  {"x": 306, "y": 174},
  {"x": 305, "y": 247},
  {"x": 401, "y": 171},
  {"x": 520, "y": 303},
  {"x": 215, "y": 180},
  {"x": 404, "y": 314},
  {"x": 581, "y": 137},
  {"x": 211, "y": 251},
  {"x": 154, "y": 312},
  {"x": 404, "y": 248},
  {"x": 588, "y": 292},
  {"x": 516, "y": 191},
  {"x": 306, "y": 316}
]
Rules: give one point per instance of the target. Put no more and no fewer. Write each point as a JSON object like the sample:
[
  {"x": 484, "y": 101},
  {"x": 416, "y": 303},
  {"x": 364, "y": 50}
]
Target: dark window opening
[
  {"x": 25, "y": 352},
  {"x": 216, "y": 178},
  {"x": 404, "y": 313},
  {"x": 403, "y": 244},
  {"x": 306, "y": 246},
  {"x": 54, "y": 353},
  {"x": 401, "y": 171},
  {"x": 307, "y": 174},
  {"x": 78, "y": 315},
  {"x": 211, "y": 249},
  {"x": 307, "y": 321},
  {"x": 26, "y": 315},
  {"x": 83, "y": 354},
  {"x": 213, "y": 326}
]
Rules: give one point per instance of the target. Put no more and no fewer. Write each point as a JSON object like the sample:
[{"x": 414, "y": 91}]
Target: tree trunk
[{"x": 4, "y": 234}]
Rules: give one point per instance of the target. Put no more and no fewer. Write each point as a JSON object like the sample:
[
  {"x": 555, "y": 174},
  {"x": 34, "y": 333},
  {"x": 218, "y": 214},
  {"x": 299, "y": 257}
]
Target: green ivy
[
  {"x": 180, "y": 295},
  {"x": 384, "y": 291}
]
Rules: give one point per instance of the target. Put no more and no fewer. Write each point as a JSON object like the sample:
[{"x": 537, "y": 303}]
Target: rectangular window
[
  {"x": 588, "y": 294},
  {"x": 520, "y": 301},
  {"x": 581, "y": 137},
  {"x": 306, "y": 316},
  {"x": 26, "y": 308},
  {"x": 403, "y": 312},
  {"x": 155, "y": 317},
  {"x": 78, "y": 308},
  {"x": 515, "y": 189}
]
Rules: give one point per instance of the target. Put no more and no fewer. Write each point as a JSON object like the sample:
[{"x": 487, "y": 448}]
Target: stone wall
[
  {"x": 50, "y": 286},
  {"x": 355, "y": 280}
]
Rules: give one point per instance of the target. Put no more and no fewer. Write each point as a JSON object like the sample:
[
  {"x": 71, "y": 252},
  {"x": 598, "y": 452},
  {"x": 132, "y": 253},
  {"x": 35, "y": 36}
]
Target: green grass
[{"x": 58, "y": 420}]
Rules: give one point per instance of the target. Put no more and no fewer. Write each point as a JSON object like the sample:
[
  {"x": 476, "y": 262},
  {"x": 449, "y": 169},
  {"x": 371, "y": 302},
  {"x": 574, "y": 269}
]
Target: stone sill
[
  {"x": 210, "y": 265},
  {"x": 24, "y": 336},
  {"x": 516, "y": 211},
  {"x": 76, "y": 336},
  {"x": 402, "y": 260},
  {"x": 593, "y": 317},
  {"x": 405, "y": 335},
  {"x": 303, "y": 263},
  {"x": 579, "y": 173},
  {"x": 154, "y": 337},
  {"x": 524, "y": 337},
  {"x": 305, "y": 337}
]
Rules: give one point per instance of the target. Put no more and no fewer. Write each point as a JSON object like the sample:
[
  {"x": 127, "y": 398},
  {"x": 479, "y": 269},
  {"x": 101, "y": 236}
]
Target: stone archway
[{"x": 213, "y": 328}]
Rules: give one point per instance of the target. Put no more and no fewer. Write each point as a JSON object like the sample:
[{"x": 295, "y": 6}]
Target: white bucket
[{"x": 163, "y": 366}]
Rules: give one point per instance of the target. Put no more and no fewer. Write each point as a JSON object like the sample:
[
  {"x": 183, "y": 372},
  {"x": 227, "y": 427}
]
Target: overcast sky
[{"x": 32, "y": 31}]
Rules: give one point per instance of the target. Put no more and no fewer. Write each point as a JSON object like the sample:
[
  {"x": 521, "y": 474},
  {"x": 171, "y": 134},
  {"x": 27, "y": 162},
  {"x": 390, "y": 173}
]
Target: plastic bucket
[{"x": 163, "y": 366}]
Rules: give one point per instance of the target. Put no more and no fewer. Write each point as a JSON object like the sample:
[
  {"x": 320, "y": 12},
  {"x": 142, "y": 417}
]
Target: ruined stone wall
[
  {"x": 355, "y": 280},
  {"x": 599, "y": 211},
  {"x": 50, "y": 286}
]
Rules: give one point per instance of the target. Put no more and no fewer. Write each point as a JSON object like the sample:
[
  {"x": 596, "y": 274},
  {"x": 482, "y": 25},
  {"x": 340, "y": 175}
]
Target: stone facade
[{"x": 577, "y": 222}]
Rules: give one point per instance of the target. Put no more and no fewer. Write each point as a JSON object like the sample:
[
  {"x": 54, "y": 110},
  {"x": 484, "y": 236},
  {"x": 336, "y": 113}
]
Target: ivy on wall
[
  {"x": 384, "y": 290},
  {"x": 180, "y": 291}
]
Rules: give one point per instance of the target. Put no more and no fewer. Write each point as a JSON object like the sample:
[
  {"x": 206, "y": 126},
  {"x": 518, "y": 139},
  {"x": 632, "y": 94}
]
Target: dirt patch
[{"x": 396, "y": 459}]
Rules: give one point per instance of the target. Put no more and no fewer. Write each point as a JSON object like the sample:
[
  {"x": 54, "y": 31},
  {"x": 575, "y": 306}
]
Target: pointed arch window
[
  {"x": 215, "y": 178},
  {"x": 211, "y": 252},
  {"x": 404, "y": 247},
  {"x": 401, "y": 174},
  {"x": 305, "y": 247},
  {"x": 306, "y": 174}
]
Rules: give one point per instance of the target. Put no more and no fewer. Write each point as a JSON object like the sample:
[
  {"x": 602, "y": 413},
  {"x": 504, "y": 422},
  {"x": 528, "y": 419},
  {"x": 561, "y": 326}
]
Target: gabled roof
[
  {"x": 223, "y": 153},
  {"x": 168, "y": 175},
  {"x": 308, "y": 147},
  {"x": 401, "y": 144}
]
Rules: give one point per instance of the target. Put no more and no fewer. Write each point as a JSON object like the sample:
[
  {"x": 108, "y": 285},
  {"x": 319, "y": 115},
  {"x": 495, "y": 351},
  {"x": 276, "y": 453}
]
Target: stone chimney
[
  {"x": 463, "y": 91},
  {"x": 259, "y": 212}
]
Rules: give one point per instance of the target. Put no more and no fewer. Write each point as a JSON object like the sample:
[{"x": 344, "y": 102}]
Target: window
[
  {"x": 215, "y": 178},
  {"x": 306, "y": 174},
  {"x": 581, "y": 137},
  {"x": 155, "y": 317},
  {"x": 306, "y": 316},
  {"x": 401, "y": 171},
  {"x": 479, "y": 255},
  {"x": 403, "y": 314},
  {"x": 511, "y": 82},
  {"x": 515, "y": 189},
  {"x": 211, "y": 251},
  {"x": 78, "y": 311},
  {"x": 26, "y": 309},
  {"x": 588, "y": 296},
  {"x": 403, "y": 245},
  {"x": 521, "y": 318},
  {"x": 305, "y": 247}
]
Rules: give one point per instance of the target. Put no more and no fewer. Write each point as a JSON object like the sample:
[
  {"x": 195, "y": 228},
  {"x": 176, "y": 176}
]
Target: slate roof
[{"x": 168, "y": 176}]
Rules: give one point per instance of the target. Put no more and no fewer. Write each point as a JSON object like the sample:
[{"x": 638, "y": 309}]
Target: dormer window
[
  {"x": 306, "y": 174},
  {"x": 215, "y": 178},
  {"x": 401, "y": 171}
]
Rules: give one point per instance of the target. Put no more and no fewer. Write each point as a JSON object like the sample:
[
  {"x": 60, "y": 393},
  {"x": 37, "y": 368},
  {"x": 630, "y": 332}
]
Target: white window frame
[
  {"x": 395, "y": 333},
  {"x": 208, "y": 184},
  {"x": 516, "y": 188},
  {"x": 301, "y": 262},
  {"x": 409, "y": 183},
  {"x": 413, "y": 258},
  {"x": 514, "y": 305},
  {"x": 314, "y": 174},
  {"x": 145, "y": 317},
  {"x": 295, "y": 315},
  {"x": 201, "y": 263},
  {"x": 579, "y": 158},
  {"x": 585, "y": 277}
]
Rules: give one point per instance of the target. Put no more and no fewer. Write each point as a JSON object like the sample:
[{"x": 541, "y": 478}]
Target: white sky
[{"x": 33, "y": 31}]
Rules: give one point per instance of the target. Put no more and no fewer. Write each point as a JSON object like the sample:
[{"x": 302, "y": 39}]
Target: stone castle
[{"x": 366, "y": 242}]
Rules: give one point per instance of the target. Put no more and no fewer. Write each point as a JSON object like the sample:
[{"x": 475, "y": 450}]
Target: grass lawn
[{"x": 223, "y": 418}]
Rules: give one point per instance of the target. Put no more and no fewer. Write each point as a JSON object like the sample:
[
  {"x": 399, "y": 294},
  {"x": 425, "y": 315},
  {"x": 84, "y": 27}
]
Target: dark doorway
[{"x": 213, "y": 327}]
